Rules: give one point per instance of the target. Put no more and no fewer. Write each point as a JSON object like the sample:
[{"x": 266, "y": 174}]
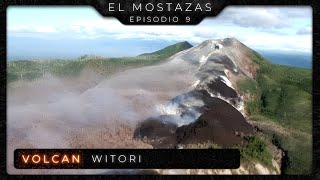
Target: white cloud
[
  {"x": 259, "y": 17},
  {"x": 263, "y": 32},
  {"x": 279, "y": 42},
  {"x": 297, "y": 12},
  {"x": 32, "y": 29},
  {"x": 305, "y": 30}
]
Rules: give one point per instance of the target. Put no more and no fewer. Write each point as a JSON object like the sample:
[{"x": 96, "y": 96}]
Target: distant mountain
[
  {"x": 170, "y": 50},
  {"x": 32, "y": 69},
  {"x": 303, "y": 60}
]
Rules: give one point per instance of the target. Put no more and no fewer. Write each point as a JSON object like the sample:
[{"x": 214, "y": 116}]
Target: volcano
[
  {"x": 210, "y": 110},
  {"x": 188, "y": 97}
]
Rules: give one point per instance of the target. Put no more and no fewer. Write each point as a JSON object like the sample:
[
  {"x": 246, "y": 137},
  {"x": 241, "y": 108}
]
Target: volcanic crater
[{"x": 217, "y": 118}]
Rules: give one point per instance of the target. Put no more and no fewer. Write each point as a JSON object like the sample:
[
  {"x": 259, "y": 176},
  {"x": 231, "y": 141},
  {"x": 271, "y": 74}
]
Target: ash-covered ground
[{"x": 190, "y": 98}]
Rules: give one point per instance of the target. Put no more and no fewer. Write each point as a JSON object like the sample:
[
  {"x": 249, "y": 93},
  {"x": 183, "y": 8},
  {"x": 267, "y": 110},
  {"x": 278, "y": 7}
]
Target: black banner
[
  {"x": 127, "y": 158},
  {"x": 160, "y": 12}
]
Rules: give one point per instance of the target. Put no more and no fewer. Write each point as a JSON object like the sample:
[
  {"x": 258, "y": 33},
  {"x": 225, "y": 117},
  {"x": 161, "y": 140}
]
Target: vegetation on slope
[
  {"x": 29, "y": 70},
  {"x": 282, "y": 95},
  {"x": 256, "y": 150},
  {"x": 278, "y": 94},
  {"x": 169, "y": 50}
]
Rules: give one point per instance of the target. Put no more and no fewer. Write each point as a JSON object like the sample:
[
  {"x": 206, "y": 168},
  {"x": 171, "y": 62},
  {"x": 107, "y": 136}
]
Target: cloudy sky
[{"x": 49, "y": 32}]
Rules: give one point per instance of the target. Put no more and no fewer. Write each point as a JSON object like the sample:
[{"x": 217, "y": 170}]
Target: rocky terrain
[
  {"x": 190, "y": 98},
  {"x": 211, "y": 110}
]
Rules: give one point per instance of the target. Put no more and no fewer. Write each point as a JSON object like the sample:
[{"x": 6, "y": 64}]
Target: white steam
[
  {"x": 178, "y": 106},
  {"x": 53, "y": 113},
  {"x": 88, "y": 111}
]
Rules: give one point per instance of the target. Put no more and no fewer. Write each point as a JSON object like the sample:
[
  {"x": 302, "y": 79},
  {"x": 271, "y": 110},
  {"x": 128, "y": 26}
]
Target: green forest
[{"x": 282, "y": 95}]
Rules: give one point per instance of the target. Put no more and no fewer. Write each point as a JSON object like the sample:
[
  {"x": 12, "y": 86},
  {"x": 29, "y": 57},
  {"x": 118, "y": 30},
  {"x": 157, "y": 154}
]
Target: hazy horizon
[
  {"x": 133, "y": 47},
  {"x": 68, "y": 33},
  {"x": 290, "y": 58}
]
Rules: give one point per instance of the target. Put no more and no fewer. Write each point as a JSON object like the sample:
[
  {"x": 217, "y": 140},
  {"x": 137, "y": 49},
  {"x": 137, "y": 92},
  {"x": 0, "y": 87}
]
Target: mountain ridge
[
  {"x": 220, "y": 85},
  {"x": 171, "y": 49},
  {"x": 231, "y": 60}
]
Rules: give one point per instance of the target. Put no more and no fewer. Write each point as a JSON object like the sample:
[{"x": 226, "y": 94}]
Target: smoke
[
  {"x": 48, "y": 112},
  {"x": 181, "y": 110},
  {"x": 89, "y": 110}
]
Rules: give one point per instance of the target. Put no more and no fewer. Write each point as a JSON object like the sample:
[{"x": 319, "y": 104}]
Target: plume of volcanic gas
[
  {"x": 211, "y": 110},
  {"x": 88, "y": 111},
  {"x": 92, "y": 112}
]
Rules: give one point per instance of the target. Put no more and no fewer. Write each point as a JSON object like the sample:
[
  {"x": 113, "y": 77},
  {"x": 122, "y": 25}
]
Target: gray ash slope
[
  {"x": 190, "y": 97},
  {"x": 212, "y": 110}
]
